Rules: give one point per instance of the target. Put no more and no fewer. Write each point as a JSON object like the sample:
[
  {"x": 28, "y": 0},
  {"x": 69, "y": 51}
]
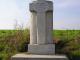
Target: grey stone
[
  {"x": 42, "y": 49},
  {"x": 41, "y": 28},
  {"x": 38, "y": 57},
  {"x": 42, "y": 22},
  {"x": 33, "y": 29}
]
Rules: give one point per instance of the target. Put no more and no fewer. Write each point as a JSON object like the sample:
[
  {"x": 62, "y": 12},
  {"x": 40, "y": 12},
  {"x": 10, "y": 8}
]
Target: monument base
[
  {"x": 47, "y": 49},
  {"x": 38, "y": 57}
]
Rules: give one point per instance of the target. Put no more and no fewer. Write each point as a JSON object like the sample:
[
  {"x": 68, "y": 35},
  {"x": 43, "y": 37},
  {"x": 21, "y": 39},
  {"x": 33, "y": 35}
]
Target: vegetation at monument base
[
  {"x": 15, "y": 41},
  {"x": 68, "y": 42},
  {"x": 12, "y": 42}
]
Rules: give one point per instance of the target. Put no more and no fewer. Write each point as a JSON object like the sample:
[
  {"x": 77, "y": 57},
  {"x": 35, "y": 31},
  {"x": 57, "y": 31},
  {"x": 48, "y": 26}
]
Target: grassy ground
[
  {"x": 14, "y": 41},
  {"x": 67, "y": 42}
]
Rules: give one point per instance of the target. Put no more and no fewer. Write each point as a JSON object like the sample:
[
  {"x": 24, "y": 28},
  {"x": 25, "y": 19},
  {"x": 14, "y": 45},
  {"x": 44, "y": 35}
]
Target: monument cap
[{"x": 41, "y": 0}]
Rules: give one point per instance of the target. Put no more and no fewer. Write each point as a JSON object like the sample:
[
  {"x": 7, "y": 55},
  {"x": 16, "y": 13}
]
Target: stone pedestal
[
  {"x": 38, "y": 57},
  {"x": 47, "y": 49}
]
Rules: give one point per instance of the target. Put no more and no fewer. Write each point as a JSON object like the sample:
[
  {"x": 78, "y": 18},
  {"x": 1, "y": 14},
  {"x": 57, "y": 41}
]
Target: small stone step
[{"x": 38, "y": 57}]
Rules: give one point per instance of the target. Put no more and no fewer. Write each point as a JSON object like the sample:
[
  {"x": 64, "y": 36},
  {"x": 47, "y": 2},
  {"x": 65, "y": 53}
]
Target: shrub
[{"x": 2, "y": 47}]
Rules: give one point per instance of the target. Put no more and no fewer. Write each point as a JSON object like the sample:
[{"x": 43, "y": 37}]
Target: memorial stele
[
  {"x": 41, "y": 45},
  {"x": 41, "y": 40}
]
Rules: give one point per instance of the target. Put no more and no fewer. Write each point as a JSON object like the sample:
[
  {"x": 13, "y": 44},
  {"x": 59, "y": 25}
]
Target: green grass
[
  {"x": 68, "y": 34},
  {"x": 13, "y": 41},
  {"x": 68, "y": 41}
]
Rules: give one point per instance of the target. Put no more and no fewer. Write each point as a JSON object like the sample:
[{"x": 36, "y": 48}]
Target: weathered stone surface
[
  {"x": 42, "y": 22},
  {"x": 49, "y": 28},
  {"x": 38, "y": 57},
  {"x": 41, "y": 28},
  {"x": 42, "y": 49},
  {"x": 33, "y": 28}
]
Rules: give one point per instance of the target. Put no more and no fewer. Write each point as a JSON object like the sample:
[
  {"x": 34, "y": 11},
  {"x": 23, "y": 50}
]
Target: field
[{"x": 16, "y": 41}]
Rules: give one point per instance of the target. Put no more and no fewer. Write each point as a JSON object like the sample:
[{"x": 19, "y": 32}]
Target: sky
[{"x": 14, "y": 13}]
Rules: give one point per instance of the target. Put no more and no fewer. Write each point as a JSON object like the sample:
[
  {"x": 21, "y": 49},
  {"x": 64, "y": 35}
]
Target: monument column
[
  {"x": 41, "y": 29},
  {"x": 49, "y": 18},
  {"x": 33, "y": 29}
]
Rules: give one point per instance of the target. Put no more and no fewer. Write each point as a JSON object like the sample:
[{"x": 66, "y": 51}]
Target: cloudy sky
[{"x": 66, "y": 14}]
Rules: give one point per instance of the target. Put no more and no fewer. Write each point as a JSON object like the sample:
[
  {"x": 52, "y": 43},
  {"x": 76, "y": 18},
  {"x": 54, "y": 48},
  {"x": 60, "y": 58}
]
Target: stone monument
[
  {"x": 41, "y": 28},
  {"x": 41, "y": 45}
]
